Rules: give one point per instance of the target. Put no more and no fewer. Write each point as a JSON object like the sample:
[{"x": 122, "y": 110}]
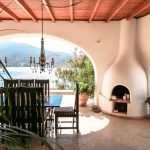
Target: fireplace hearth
[
  {"x": 124, "y": 86},
  {"x": 120, "y": 96},
  {"x": 120, "y": 107},
  {"x": 120, "y": 92}
]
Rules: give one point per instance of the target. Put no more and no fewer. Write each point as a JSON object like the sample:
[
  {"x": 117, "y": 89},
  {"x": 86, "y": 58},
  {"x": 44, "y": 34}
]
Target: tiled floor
[{"x": 102, "y": 132}]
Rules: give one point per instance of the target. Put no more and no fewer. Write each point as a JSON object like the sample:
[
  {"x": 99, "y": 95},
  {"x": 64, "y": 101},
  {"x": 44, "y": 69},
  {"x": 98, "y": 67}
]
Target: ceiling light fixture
[{"x": 42, "y": 64}]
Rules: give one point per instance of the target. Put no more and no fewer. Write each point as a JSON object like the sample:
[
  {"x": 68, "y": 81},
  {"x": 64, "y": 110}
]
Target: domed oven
[{"x": 124, "y": 87}]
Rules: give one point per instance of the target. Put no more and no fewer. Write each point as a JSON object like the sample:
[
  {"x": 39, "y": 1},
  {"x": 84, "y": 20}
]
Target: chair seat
[{"x": 64, "y": 111}]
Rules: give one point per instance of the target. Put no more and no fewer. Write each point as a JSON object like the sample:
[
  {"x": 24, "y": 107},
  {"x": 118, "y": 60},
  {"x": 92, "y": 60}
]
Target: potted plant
[
  {"x": 79, "y": 69},
  {"x": 85, "y": 77}
]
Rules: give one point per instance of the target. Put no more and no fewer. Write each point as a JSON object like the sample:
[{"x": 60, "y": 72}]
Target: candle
[
  {"x": 31, "y": 60},
  {"x": 5, "y": 60},
  {"x": 34, "y": 60}
]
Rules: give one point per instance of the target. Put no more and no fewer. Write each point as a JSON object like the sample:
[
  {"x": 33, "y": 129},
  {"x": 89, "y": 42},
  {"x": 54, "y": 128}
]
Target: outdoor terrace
[{"x": 101, "y": 132}]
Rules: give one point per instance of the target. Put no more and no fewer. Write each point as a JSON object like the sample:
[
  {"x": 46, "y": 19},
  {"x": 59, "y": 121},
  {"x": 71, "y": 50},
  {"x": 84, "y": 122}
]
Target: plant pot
[{"x": 83, "y": 98}]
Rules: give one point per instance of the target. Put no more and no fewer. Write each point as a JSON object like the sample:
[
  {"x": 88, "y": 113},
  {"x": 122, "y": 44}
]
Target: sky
[{"x": 52, "y": 44}]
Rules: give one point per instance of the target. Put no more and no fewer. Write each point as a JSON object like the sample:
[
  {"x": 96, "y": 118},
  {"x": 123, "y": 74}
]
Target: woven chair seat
[{"x": 64, "y": 111}]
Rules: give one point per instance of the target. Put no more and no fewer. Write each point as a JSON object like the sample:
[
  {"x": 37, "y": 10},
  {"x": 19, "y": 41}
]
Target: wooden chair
[
  {"x": 23, "y": 107},
  {"x": 27, "y": 82},
  {"x": 43, "y": 83},
  {"x": 11, "y": 83},
  {"x": 68, "y": 112}
]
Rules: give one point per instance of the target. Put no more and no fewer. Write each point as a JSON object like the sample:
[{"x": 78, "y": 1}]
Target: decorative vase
[{"x": 83, "y": 98}]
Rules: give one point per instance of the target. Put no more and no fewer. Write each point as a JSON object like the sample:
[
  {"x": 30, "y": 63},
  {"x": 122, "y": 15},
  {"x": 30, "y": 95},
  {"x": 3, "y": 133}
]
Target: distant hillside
[{"x": 18, "y": 54}]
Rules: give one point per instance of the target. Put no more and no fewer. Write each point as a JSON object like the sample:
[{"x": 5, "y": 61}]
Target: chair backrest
[
  {"x": 23, "y": 107},
  {"x": 4, "y": 106},
  {"x": 43, "y": 83},
  {"x": 27, "y": 82},
  {"x": 32, "y": 100},
  {"x": 11, "y": 83},
  {"x": 76, "y": 106}
]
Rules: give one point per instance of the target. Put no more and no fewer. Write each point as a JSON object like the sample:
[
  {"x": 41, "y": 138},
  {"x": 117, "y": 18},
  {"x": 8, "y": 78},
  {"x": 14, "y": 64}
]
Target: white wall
[
  {"x": 126, "y": 70},
  {"x": 98, "y": 39},
  {"x": 143, "y": 45}
]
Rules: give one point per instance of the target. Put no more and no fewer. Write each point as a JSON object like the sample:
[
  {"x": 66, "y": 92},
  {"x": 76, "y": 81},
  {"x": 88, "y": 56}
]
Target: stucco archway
[{"x": 36, "y": 38}]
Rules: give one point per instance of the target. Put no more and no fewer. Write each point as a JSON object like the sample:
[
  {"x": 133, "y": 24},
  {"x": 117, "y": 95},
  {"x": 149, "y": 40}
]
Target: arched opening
[
  {"x": 53, "y": 44},
  {"x": 120, "y": 91}
]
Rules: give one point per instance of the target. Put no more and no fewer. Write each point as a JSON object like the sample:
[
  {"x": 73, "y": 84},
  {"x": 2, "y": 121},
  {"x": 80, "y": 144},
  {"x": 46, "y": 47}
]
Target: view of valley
[
  {"x": 18, "y": 61},
  {"x": 18, "y": 55}
]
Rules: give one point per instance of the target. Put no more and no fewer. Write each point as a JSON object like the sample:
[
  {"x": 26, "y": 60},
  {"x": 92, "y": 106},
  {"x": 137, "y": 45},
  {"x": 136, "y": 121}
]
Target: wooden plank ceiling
[{"x": 73, "y": 10}]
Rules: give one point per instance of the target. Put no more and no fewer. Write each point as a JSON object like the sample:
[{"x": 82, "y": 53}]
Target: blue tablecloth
[{"x": 54, "y": 101}]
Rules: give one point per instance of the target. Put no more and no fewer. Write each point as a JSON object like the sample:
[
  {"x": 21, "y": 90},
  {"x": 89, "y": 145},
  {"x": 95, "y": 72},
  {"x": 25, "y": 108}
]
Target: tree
[{"x": 79, "y": 69}]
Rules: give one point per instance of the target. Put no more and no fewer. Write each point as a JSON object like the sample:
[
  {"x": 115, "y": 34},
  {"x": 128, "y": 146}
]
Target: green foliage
[
  {"x": 148, "y": 101},
  {"x": 85, "y": 77},
  {"x": 64, "y": 75},
  {"x": 12, "y": 138},
  {"x": 79, "y": 69}
]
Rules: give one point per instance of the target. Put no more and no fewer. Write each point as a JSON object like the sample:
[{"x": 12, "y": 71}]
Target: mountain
[{"x": 18, "y": 54}]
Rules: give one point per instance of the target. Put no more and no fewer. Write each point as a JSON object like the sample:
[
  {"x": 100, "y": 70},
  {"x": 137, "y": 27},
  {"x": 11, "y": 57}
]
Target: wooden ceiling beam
[
  {"x": 139, "y": 9},
  {"x": 117, "y": 9},
  {"x": 26, "y": 9},
  {"x": 47, "y": 6},
  {"x": 94, "y": 10},
  {"x": 9, "y": 13},
  {"x": 71, "y": 10}
]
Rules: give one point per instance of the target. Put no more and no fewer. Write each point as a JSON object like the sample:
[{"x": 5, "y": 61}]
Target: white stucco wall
[
  {"x": 143, "y": 45},
  {"x": 100, "y": 40},
  {"x": 126, "y": 70}
]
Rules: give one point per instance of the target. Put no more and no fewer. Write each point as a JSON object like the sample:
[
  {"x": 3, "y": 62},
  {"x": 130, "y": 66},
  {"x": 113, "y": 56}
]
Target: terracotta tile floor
[{"x": 102, "y": 132}]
